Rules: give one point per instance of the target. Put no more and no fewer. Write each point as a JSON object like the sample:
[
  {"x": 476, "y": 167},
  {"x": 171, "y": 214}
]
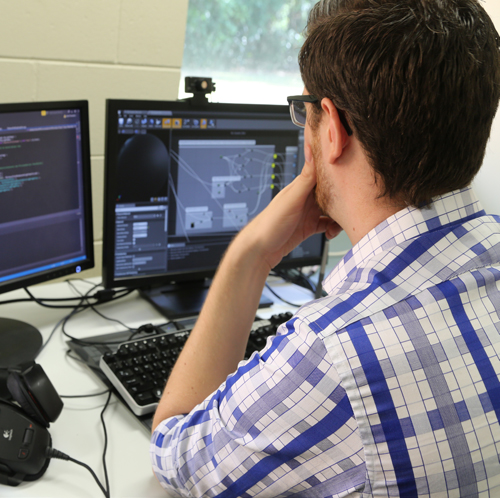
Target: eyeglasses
[{"x": 298, "y": 111}]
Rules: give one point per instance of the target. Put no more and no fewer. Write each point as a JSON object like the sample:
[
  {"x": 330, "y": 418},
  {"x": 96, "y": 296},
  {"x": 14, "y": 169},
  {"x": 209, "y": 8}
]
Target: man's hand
[{"x": 290, "y": 218}]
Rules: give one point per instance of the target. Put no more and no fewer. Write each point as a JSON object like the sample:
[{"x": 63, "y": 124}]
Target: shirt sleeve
[{"x": 281, "y": 423}]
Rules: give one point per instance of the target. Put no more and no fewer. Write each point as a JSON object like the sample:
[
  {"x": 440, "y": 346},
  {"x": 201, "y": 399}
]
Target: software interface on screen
[
  {"x": 41, "y": 192},
  {"x": 188, "y": 180}
]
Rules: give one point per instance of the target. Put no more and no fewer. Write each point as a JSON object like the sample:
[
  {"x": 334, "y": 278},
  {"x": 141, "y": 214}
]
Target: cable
[
  {"x": 306, "y": 278},
  {"x": 101, "y": 296},
  {"x": 65, "y": 320},
  {"x": 295, "y": 276},
  {"x": 281, "y": 299},
  {"x": 83, "y": 304},
  {"x": 77, "y": 279},
  {"x": 51, "y": 334},
  {"x": 29, "y": 300},
  {"x": 45, "y": 305},
  {"x": 53, "y": 453},
  {"x": 78, "y": 309},
  {"x": 105, "y": 298},
  {"x": 105, "y": 467},
  {"x": 93, "y": 286},
  {"x": 94, "y": 309}
]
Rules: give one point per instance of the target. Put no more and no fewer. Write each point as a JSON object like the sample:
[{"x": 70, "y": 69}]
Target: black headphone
[
  {"x": 24, "y": 438},
  {"x": 32, "y": 389}
]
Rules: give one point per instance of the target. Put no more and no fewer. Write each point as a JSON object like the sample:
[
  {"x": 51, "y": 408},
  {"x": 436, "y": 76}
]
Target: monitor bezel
[
  {"x": 89, "y": 262},
  {"x": 108, "y": 254}
]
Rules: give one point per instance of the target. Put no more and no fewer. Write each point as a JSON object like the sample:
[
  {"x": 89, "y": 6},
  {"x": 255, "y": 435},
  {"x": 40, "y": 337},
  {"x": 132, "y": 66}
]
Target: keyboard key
[{"x": 145, "y": 398}]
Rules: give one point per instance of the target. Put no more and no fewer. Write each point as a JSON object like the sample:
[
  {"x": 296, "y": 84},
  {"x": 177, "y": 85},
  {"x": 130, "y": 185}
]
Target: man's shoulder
[{"x": 407, "y": 269}]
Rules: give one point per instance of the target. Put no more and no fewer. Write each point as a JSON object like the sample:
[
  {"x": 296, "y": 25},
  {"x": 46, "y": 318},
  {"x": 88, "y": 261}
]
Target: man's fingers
[
  {"x": 332, "y": 230},
  {"x": 308, "y": 153},
  {"x": 330, "y": 227}
]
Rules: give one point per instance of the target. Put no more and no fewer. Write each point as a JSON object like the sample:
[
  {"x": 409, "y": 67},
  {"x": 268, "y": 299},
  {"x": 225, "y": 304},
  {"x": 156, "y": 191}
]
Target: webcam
[
  {"x": 200, "y": 87},
  {"x": 195, "y": 84}
]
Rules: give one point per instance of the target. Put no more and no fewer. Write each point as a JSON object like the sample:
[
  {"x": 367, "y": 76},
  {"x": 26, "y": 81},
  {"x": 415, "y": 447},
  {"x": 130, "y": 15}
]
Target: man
[{"x": 389, "y": 386}]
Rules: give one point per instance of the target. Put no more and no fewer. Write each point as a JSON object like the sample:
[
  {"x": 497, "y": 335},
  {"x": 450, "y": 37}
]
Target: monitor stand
[
  {"x": 184, "y": 299},
  {"x": 20, "y": 343}
]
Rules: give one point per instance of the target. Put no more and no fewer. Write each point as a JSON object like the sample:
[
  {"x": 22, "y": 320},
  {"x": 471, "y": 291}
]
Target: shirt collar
[{"x": 402, "y": 226}]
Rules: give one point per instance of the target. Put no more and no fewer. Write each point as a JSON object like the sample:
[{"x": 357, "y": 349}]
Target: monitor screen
[
  {"x": 181, "y": 180},
  {"x": 45, "y": 197}
]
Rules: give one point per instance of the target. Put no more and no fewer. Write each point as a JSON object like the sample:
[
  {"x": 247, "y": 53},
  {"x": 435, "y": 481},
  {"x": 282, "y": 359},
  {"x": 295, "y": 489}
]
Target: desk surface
[{"x": 78, "y": 431}]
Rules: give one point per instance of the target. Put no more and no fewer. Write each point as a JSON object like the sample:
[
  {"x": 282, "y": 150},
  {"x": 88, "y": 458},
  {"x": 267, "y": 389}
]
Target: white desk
[{"x": 78, "y": 430}]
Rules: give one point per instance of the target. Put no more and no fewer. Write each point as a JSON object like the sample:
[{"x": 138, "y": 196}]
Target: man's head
[{"x": 419, "y": 81}]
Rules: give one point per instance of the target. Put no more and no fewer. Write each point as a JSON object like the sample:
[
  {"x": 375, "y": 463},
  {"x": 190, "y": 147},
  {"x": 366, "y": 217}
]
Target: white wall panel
[{"x": 487, "y": 182}]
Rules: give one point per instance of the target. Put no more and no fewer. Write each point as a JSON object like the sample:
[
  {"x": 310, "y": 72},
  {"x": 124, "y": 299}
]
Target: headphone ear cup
[
  {"x": 18, "y": 391},
  {"x": 43, "y": 393}
]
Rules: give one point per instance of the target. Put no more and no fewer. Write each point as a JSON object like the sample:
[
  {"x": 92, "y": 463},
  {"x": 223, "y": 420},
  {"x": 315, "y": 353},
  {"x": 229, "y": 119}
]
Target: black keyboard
[{"x": 139, "y": 369}]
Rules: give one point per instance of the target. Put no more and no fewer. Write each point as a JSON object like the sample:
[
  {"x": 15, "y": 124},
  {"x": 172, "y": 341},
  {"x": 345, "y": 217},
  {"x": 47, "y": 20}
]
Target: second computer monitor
[
  {"x": 181, "y": 181},
  {"x": 45, "y": 207}
]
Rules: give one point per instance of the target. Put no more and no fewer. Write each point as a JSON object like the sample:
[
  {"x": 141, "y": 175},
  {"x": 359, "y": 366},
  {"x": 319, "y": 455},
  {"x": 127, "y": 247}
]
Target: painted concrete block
[
  {"x": 18, "y": 81},
  {"x": 152, "y": 32},
  {"x": 96, "y": 83},
  {"x": 71, "y": 30}
]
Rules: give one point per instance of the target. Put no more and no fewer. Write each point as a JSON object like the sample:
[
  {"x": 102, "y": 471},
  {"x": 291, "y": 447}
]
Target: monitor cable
[
  {"x": 104, "y": 298},
  {"x": 83, "y": 305},
  {"x": 101, "y": 296},
  {"x": 143, "y": 329},
  {"x": 297, "y": 277}
]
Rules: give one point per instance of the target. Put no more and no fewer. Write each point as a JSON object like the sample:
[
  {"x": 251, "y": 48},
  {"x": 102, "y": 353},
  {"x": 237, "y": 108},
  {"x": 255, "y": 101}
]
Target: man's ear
[{"x": 337, "y": 136}]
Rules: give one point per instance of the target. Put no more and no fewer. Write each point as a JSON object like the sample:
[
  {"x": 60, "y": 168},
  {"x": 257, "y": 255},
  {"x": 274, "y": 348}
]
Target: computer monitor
[
  {"x": 45, "y": 206},
  {"x": 181, "y": 179}
]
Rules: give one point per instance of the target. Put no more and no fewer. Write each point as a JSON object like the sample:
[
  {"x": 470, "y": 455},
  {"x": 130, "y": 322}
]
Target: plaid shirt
[{"x": 389, "y": 386}]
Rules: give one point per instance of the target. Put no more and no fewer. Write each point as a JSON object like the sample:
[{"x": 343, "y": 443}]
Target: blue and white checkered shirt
[{"x": 389, "y": 386}]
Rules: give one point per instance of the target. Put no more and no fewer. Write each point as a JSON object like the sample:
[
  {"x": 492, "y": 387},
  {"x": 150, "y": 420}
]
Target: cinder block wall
[{"x": 92, "y": 50}]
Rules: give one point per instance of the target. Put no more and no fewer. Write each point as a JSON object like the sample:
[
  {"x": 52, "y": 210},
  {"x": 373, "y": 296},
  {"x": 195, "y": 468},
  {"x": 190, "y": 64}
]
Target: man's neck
[
  {"x": 364, "y": 218},
  {"x": 357, "y": 204}
]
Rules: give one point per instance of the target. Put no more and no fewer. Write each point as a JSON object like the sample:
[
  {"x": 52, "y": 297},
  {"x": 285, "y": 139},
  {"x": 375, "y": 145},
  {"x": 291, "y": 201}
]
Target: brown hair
[{"x": 419, "y": 81}]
